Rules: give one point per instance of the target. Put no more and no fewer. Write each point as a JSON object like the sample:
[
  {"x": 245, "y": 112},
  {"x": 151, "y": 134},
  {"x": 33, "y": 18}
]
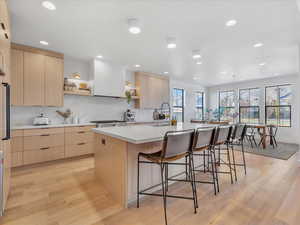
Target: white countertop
[
  {"x": 145, "y": 133},
  {"x": 51, "y": 126}
]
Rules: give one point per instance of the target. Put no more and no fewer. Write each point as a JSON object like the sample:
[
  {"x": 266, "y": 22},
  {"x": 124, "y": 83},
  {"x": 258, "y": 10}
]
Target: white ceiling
[{"x": 86, "y": 28}]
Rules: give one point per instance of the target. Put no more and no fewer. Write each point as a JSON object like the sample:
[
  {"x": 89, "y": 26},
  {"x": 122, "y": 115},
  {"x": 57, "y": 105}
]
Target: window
[
  {"x": 199, "y": 105},
  {"x": 178, "y": 104},
  {"x": 249, "y": 105},
  {"x": 278, "y": 105},
  {"x": 226, "y": 105}
]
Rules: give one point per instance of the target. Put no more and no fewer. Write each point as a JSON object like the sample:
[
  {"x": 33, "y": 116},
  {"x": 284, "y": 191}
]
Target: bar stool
[
  {"x": 237, "y": 139},
  {"x": 202, "y": 146},
  {"x": 222, "y": 138},
  {"x": 176, "y": 145}
]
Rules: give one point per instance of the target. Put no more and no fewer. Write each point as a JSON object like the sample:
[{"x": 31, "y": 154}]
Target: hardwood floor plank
[{"x": 67, "y": 193}]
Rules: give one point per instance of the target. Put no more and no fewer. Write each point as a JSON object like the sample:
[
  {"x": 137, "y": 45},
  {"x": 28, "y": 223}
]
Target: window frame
[
  {"x": 225, "y": 107},
  {"x": 277, "y": 106},
  {"x": 197, "y": 107},
  {"x": 183, "y": 102},
  {"x": 249, "y": 107}
]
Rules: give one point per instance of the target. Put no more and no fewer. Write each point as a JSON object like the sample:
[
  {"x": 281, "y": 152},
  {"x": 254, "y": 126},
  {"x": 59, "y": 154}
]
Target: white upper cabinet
[{"x": 109, "y": 79}]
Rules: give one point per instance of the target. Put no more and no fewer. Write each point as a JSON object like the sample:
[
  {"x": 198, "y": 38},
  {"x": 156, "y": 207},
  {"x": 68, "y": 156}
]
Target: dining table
[{"x": 262, "y": 131}]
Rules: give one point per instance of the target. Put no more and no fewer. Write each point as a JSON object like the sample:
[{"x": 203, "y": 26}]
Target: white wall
[
  {"x": 285, "y": 134},
  {"x": 190, "y": 97},
  {"x": 72, "y": 65}
]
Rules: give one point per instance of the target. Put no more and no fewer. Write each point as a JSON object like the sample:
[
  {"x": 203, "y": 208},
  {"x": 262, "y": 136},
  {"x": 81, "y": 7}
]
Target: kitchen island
[{"x": 116, "y": 152}]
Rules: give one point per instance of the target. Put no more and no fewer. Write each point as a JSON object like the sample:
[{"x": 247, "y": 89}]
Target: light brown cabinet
[
  {"x": 54, "y": 81},
  {"x": 31, "y": 146},
  {"x": 37, "y": 75},
  {"x": 152, "y": 90},
  {"x": 17, "y": 77},
  {"x": 34, "y": 79},
  {"x": 5, "y": 145}
]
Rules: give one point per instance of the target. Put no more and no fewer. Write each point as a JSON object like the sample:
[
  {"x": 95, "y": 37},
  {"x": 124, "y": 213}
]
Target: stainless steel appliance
[
  {"x": 4, "y": 143},
  {"x": 129, "y": 116},
  {"x": 41, "y": 120}
]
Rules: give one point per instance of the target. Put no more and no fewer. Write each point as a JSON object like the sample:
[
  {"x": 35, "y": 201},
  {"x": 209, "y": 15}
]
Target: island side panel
[{"x": 111, "y": 166}]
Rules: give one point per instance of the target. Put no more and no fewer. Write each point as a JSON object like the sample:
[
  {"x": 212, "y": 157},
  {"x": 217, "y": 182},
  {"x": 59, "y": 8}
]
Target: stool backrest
[
  {"x": 203, "y": 138},
  {"x": 177, "y": 143},
  {"x": 223, "y": 134},
  {"x": 240, "y": 131}
]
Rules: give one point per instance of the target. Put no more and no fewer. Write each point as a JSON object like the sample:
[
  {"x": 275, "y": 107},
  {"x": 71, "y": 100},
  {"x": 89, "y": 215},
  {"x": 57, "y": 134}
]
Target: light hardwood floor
[{"x": 66, "y": 193}]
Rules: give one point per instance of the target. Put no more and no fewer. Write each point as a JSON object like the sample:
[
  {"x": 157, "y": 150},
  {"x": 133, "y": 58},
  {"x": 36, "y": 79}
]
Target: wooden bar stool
[{"x": 176, "y": 145}]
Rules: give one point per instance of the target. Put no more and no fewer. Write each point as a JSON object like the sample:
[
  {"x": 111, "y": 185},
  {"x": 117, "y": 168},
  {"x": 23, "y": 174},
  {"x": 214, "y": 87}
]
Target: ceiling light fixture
[
  {"x": 231, "y": 23},
  {"x": 137, "y": 66},
  {"x": 99, "y": 56},
  {"x": 48, "y": 5},
  {"x": 171, "y": 42},
  {"x": 44, "y": 43},
  {"x": 134, "y": 26},
  {"x": 258, "y": 45},
  {"x": 197, "y": 78},
  {"x": 262, "y": 64},
  {"x": 196, "y": 54},
  {"x": 199, "y": 63},
  {"x": 166, "y": 72}
]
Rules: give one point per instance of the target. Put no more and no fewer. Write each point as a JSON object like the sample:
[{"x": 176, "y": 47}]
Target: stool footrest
[{"x": 169, "y": 196}]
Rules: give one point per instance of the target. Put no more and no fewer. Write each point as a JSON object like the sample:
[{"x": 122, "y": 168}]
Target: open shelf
[{"x": 77, "y": 93}]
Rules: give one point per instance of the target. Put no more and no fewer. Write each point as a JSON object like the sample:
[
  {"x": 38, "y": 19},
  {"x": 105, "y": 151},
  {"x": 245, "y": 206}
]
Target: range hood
[{"x": 109, "y": 79}]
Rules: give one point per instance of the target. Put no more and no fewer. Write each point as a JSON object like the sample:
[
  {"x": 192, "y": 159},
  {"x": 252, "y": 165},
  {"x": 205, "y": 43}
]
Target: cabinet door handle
[
  {"x": 45, "y": 135},
  {"x": 103, "y": 141},
  {"x": 44, "y": 148},
  {"x": 81, "y": 144},
  {"x": 81, "y": 132}
]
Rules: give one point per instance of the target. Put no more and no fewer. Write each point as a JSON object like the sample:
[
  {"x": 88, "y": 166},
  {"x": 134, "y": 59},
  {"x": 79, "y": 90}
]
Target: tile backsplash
[{"x": 85, "y": 108}]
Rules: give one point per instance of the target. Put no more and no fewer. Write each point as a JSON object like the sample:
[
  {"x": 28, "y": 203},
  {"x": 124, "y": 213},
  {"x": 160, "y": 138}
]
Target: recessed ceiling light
[
  {"x": 48, "y": 5},
  {"x": 196, "y": 54},
  {"x": 199, "y": 63},
  {"x": 231, "y": 23},
  {"x": 258, "y": 45},
  {"x": 99, "y": 56},
  {"x": 262, "y": 64},
  {"x": 137, "y": 66},
  {"x": 171, "y": 42},
  {"x": 134, "y": 26},
  {"x": 166, "y": 72},
  {"x": 44, "y": 43}
]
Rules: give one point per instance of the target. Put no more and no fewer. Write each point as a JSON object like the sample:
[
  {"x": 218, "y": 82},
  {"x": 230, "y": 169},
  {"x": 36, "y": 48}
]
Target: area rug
[{"x": 283, "y": 151}]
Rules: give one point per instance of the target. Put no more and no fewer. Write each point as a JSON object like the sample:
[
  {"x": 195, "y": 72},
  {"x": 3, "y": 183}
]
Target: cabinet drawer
[
  {"x": 17, "y": 133},
  {"x": 79, "y": 137},
  {"x": 79, "y": 128},
  {"x": 17, "y": 159},
  {"x": 79, "y": 149},
  {"x": 17, "y": 144},
  {"x": 43, "y": 155},
  {"x": 43, "y": 141},
  {"x": 43, "y": 131}
]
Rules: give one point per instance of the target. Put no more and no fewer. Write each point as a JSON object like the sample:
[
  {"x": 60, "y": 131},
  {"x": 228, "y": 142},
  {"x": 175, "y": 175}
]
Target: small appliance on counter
[
  {"x": 163, "y": 113},
  {"x": 129, "y": 116},
  {"x": 41, "y": 120}
]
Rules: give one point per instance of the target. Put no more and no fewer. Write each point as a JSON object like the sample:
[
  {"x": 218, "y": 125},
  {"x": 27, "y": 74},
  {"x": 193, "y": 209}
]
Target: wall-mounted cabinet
[
  {"x": 152, "y": 90},
  {"x": 37, "y": 77}
]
